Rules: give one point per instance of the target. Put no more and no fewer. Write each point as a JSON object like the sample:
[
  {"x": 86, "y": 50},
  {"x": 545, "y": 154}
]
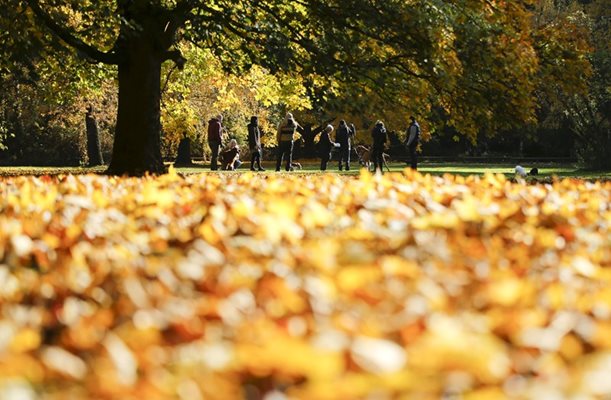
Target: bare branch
[{"x": 177, "y": 57}]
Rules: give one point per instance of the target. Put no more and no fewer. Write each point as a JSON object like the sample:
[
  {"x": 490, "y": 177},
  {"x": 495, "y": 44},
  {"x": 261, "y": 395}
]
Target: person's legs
[
  {"x": 258, "y": 157},
  {"x": 374, "y": 157},
  {"x": 378, "y": 161},
  {"x": 289, "y": 155},
  {"x": 347, "y": 158},
  {"x": 253, "y": 158},
  {"x": 414, "y": 157},
  {"x": 280, "y": 156},
  {"x": 214, "y": 150},
  {"x": 324, "y": 160}
]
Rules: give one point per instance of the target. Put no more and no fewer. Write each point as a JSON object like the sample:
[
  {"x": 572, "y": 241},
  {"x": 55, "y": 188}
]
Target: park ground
[
  {"x": 305, "y": 285},
  {"x": 546, "y": 172}
]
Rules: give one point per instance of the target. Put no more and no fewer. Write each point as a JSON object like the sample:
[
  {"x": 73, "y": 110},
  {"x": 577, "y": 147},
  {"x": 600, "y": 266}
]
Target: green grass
[
  {"x": 32, "y": 170},
  {"x": 561, "y": 171},
  {"x": 312, "y": 167},
  {"x": 564, "y": 171}
]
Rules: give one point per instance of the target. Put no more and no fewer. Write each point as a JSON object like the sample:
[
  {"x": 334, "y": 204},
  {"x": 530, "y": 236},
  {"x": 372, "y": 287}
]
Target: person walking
[
  {"x": 325, "y": 145},
  {"x": 215, "y": 140},
  {"x": 286, "y": 132},
  {"x": 344, "y": 138},
  {"x": 379, "y": 136},
  {"x": 254, "y": 143},
  {"x": 413, "y": 138}
]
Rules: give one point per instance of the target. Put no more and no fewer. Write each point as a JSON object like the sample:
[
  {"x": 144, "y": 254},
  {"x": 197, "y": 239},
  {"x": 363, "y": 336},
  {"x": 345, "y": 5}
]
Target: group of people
[
  {"x": 343, "y": 140},
  {"x": 380, "y": 137},
  {"x": 230, "y": 155},
  {"x": 286, "y": 135}
]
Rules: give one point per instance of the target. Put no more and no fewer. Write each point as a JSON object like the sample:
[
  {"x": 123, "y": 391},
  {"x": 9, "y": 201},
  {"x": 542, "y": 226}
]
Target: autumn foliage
[{"x": 310, "y": 287}]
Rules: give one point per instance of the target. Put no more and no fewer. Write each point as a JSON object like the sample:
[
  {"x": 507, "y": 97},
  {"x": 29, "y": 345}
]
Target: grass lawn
[{"x": 562, "y": 171}]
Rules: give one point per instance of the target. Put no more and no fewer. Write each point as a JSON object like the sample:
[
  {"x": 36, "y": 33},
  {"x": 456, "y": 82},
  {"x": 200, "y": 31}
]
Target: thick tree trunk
[{"x": 137, "y": 142}]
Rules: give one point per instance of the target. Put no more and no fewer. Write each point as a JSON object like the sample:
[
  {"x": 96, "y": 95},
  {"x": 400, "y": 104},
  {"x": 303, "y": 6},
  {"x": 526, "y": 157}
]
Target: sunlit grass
[{"x": 312, "y": 167}]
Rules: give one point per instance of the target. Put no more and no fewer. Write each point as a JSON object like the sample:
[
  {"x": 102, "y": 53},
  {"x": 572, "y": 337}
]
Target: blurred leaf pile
[{"x": 315, "y": 287}]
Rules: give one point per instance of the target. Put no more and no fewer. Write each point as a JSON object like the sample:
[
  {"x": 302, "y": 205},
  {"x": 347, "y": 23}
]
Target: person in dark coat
[
  {"x": 325, "y": 145},
  {"x": 379, "y": 136},
  {"x": 254, "y": 143},
  {"x": 344, "y": 138},
  {"x": 286, "y": 132},
  {"x": 215, "y": 139},
  {"x": 413, "y": 138}
]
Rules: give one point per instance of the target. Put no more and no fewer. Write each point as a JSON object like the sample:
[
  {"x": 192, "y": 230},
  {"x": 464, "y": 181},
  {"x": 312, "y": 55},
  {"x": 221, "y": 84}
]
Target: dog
[
  {"x": 520, "y": 171},
  {"x": 364, "y": 155},
  {"x": 295, "y": 166}
]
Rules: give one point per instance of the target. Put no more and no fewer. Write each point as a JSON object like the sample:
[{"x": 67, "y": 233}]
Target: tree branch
[
  {"x": 176, "y": 56},
  {"x": 65, "y": 35},
  {"x": 167, "y": 79}
]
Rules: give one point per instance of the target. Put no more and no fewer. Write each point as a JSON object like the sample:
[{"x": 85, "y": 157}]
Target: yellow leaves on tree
[{"x": 203, "y": 90}]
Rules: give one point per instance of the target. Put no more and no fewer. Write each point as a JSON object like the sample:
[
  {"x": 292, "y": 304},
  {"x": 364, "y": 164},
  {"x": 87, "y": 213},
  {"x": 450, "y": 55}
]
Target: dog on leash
[{"x": 364, "y": 155}]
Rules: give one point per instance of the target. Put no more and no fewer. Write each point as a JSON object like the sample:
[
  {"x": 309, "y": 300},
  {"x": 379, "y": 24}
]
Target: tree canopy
[{"x": 473, "y": 65}]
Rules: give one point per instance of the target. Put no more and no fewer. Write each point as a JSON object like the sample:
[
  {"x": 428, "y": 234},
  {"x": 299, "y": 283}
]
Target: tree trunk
[{"x": 137, "y": 142}]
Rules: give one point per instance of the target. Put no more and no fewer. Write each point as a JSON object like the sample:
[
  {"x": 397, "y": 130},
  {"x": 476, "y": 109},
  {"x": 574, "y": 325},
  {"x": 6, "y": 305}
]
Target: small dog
[
  {"x": 364, "y": 155},
  {"x": 520, "y": 171},
  {"x": 295, "y": 166}
]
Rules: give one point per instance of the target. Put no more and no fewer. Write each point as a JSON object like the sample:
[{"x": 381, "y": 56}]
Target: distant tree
[
  {"x": 44, "y": 90},
  {"x": 94, "y": 150},
  {"x": 183, "y": 156}
]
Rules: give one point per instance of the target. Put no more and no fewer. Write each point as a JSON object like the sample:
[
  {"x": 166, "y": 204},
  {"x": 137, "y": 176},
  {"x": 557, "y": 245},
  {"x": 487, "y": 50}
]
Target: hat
[{"x": 329, "y": 128}]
